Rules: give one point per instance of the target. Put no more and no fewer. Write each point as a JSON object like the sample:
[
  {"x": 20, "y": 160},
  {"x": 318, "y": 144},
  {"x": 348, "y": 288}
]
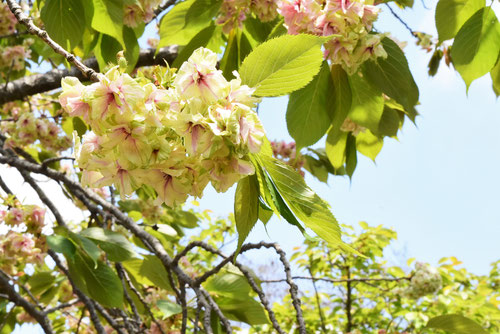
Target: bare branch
[
  {"x": 94, "y": 317},
  {"x": 34, "y": 30},
  {"x": 40, "y": 83},
  {"x": 61, "y": 306},
  {"x": 331, "y": 280},
  {"x": 17, "y": 299}
]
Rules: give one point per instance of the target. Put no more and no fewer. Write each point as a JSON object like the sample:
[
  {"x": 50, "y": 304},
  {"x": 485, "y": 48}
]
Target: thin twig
[
  {"x": 61, "y": 306},
  {"x": 343, "y": 280},
  {"x": 401, "y": 20},
  {"x": 17, "y": 299},
  {"x": 34, "y": 30},
  {"x": 54, "y": 159}
]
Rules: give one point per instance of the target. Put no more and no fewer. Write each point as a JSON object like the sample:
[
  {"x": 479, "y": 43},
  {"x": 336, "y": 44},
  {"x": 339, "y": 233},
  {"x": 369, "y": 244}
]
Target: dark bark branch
[
  {"x": 121, "y": 274},
  {"x": 331, "y": 280},
  {"x": 41, "y": 83},
  {"x": 17, "y": 299},
  {"x": 348, "y": 302},
  {"x": 121, "y": 218},
  {"x": 34, "y": 30},
  {"x": 61, "y": 306},
  {"x": 94, "y": 317},
  {"x": 318, "y": 304}
]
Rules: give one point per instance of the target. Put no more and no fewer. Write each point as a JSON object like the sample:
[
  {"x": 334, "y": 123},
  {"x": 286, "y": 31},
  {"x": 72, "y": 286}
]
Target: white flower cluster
[{"x": 426, "y": 280}]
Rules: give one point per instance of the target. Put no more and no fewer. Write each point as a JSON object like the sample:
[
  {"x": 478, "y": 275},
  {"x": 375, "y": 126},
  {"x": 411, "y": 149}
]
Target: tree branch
[
  {"x": 34, "y": 30},
  {"x": 40, "y": 83},
  {"x": 17, "y": 299}
]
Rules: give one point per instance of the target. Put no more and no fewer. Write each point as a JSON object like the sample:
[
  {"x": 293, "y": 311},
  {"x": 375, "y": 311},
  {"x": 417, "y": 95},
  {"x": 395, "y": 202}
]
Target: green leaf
[
  {"x": 174, "y": 28},
  {"x": 116, "y": 246},
  {"x": 351, "y": 155},
  {"x": 108, "y": 19},
  {"x": 248, "y": 310},
  {"x": 495, "y": 77},
  {"x": 41, "y": 282},
  {"x": 477, "y": 45},
  {"x": 79, "y": 126},
  {"x": 202, "y": 11},
  {"x": 148, "y": 271},
  {"x": 342, "y": 96},
  {"x": 200, "y": 40},
  {"x": 64, "y": 20},
  {"x": 61, "y": 245},
  {"x": 246, "y": 207},
  {"x": 238, "y": 47},
  {"x": 107, "y": 48},
  {"x": 368, "y": 144},
  {"x": 455, "y": 323},
  {"x": 304, "y": 203},
  {"x": 229, "y": 284},
  {"x": 168, "y": 309},
  {"x": 282, "y": 65},
  {"x": 389, "y": 123},
  {"x": 452, "y": 14},
  {"x": 101, "y": 282},
  {"x": 258, "y": 30},
  {"x": 310, "y": 109},
  {"x": 336, "y": 147},
  {"x": 367, "y": 103},
  {"x": 392, "y": 75}
]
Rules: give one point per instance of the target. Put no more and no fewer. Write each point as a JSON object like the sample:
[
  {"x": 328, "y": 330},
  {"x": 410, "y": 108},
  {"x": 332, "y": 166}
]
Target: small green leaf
[
  {"x": 41, "y": 282},
  {"x": 202, "y": 11},
  {"x": 336, "y": 147},
  {"x": 303, "y": 202},
  {"x": 342, "y": 96},
  {"x": 282, "y": 65},
  {"x": 64, "y": 20},
  {"x": 61, "y": 245},
  {"x": 368, "y": 144},
  {"x": 173, "y": 26},
  {"x": 367, "y": 103},
  {"x": 238, "y": 47},
  {"x": 452, "y": 14},
  {"x": 392, "y": 75},
  {"x": 148, "y": 271},
  {"x": 79, "y": 126},
  {"x": 456, "y": 324},
  {"x": 477, "y": 45},
  {"x": 389, "y": 122},
  {"x": 310, "y": 109},
  {"x": 200, "y": 40},
  {"x": 108, "y": 18},
  {"x": 101, "y": 282},
  {"x": 495, "y": 77},
  {"x": 168, "y": 309},
  {"x": 246, "y": 207},
  {"x": 351, "y": 155},
  {"x": 116, "y": 246}
]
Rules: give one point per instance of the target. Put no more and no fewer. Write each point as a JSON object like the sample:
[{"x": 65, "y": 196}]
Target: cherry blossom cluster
[
  {"x": 22, "y": 128},
  {"x": 18, "y": 248},
  {"x": 7, "y": 20},
  {"x": 15, "y": 56},
  {"x": 174, "y": 138},
  {"x": 287, "y": 153},
  {"x": 139, "y": 11},
  {"x": 425, "y": 280},
  {"x": 349, "y": 20},
  {"x": 233, "y": 13}
]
